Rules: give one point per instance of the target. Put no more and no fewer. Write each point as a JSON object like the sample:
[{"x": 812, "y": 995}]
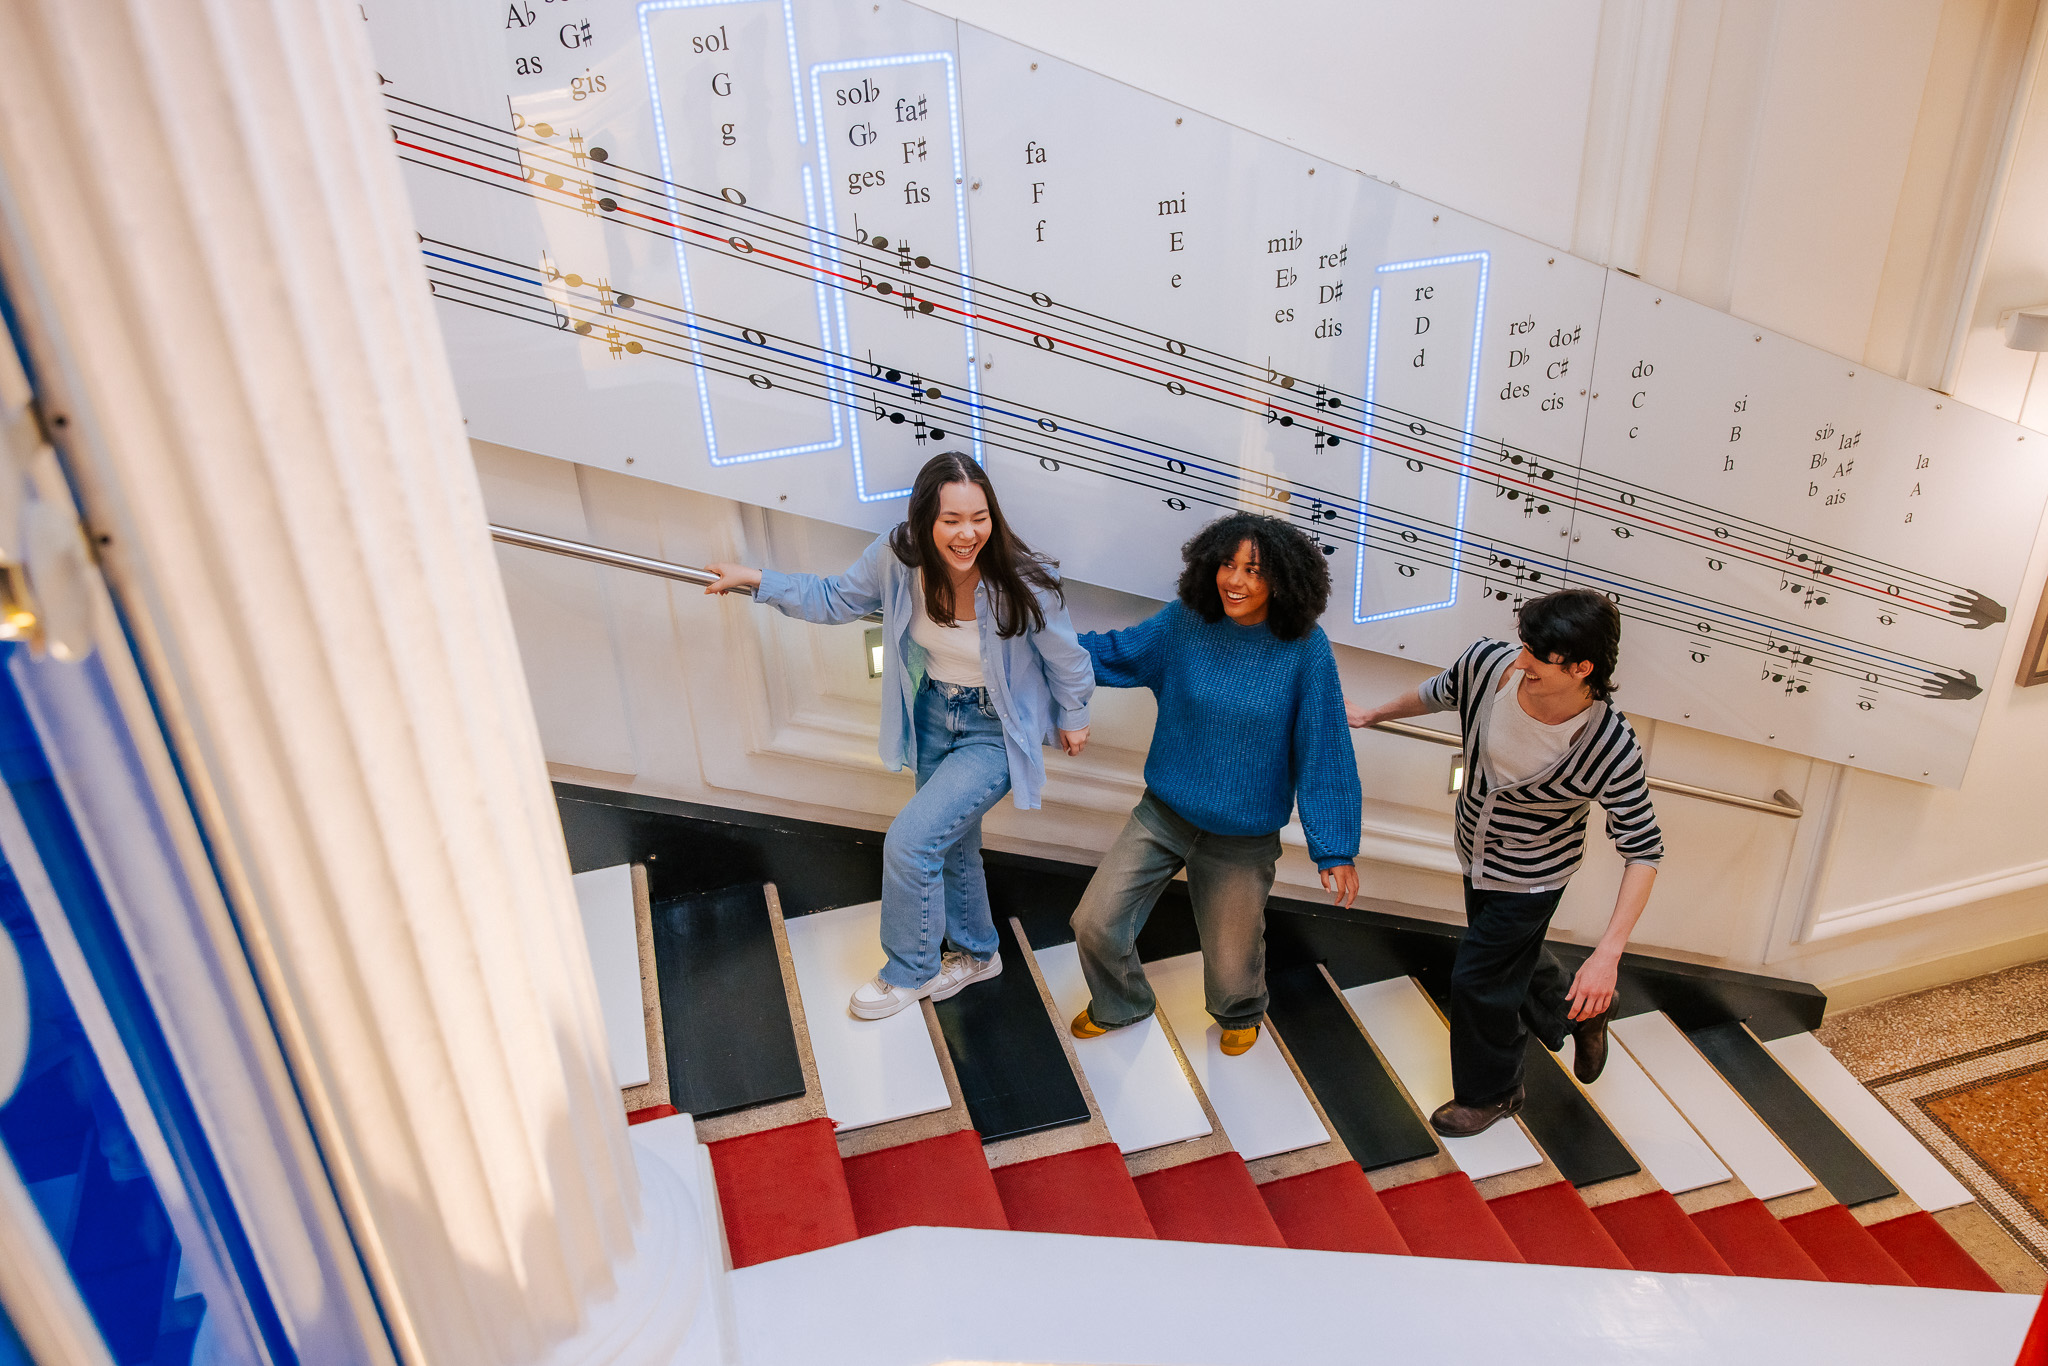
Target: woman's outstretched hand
[
  {"x": 1359, "y": 717},
  {"x": 731, "y": 576},
  {"x": 1074, "y": 741}
]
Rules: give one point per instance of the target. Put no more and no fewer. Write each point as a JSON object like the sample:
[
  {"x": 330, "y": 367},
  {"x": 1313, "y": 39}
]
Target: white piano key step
[
  {"x": 1138, "y": 1082},
  {"x": 871, "y": 1071},
  {"x": 1865, "y": 1119},
  {"x": 605, "y": 896},
  {"x": 1722, "y": 1117},
  {"x": 1256, "y": 1093},
  {"x": 1647, "y": 1121},
  {"x": 1416, "y": 1044}
]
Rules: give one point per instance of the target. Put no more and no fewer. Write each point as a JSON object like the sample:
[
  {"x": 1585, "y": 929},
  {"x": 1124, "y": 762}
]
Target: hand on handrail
[{"x": 731, "y": 576}]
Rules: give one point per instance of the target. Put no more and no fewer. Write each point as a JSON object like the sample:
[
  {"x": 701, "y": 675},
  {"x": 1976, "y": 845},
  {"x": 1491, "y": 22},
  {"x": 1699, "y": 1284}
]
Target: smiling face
[
  {"x": 1547, "y": 680},
  {"x": 1242, "y": 586},
  {"x": 962, "y": 527}
]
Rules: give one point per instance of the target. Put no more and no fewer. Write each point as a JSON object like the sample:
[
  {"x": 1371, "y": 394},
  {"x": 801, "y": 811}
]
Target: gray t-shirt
[{"x": 1518, "y": 746}]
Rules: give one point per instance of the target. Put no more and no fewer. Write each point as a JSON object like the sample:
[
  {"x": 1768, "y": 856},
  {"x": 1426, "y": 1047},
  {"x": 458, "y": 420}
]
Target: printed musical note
[
  {"x": 1808, "y": 595},
  {"x": 1811, "y": 558}
]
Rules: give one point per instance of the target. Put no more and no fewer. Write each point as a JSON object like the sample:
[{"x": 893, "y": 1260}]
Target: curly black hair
[
  {"x": 1575, "y": 626},
  {"x": 1296, "y": 574}
]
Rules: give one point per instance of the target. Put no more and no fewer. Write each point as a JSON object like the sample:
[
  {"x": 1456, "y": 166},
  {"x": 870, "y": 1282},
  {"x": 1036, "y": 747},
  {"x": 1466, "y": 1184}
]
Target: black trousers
[{"x": 1504, "y": 986}]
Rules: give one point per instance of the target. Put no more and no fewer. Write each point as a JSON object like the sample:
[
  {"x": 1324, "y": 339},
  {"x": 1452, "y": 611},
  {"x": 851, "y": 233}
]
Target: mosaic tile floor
[{"x": 1965, "y": 1067}]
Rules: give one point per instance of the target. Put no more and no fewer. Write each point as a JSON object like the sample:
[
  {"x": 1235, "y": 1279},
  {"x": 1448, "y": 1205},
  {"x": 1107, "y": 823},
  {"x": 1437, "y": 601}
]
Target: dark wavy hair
[
  {"x": 1574, "y": 626},
  {"x": 1297, "y": 576},
  {"x": 1010, "y": 569}
]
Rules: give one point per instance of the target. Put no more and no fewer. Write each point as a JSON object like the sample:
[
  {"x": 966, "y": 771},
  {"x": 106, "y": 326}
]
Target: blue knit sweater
[{"x": 1248, "y": 723}]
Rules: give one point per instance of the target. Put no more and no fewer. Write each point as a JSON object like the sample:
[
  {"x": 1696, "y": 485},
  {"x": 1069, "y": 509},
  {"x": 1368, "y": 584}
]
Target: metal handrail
[{"x": 1781, "y": 803}]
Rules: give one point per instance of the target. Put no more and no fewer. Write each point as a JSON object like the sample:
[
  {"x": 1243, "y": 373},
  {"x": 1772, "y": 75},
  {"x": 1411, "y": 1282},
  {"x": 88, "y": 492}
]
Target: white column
[{"x": 264, "y": 428}]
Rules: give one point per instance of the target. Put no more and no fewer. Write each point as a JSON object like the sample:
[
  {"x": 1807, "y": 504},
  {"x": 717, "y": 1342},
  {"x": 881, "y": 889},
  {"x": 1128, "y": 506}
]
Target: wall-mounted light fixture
[
  {"x": 873, "y": 637},
  {"x": 1457, "y": 772},
  {"x": 2026, "y": 329}
]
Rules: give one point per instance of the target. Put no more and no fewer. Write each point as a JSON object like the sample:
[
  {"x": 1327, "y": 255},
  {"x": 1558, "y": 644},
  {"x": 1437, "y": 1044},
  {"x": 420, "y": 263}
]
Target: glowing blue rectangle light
[
  {"x": 1372, "y": 357},
  {"x": 711, "y": 442},
  {"x": 822, "y": 69}
]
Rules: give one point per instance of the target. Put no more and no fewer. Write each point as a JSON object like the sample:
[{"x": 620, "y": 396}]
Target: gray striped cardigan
[{"x": 1531, "y": 835}]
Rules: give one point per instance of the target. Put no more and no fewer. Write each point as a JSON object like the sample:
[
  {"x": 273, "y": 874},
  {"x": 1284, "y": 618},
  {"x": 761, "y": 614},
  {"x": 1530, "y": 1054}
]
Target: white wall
[{"x": 1824, "y": 167}]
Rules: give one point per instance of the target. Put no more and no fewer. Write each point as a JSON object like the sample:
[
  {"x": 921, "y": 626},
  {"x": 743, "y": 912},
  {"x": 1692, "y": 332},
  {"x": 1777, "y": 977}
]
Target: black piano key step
[
  {"x": 1365, "y": 1106},
  {"x": 724, "y": 1013},
  {"x": 1013, "y": 1073},
  {"x": 1815, "y": 1139}
]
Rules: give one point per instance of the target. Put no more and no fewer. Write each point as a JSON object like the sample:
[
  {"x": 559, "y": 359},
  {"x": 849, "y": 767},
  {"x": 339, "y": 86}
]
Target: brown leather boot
[
  {"x": 1589, "y": 1046},
  {"x": 1455, "y": 1120}
]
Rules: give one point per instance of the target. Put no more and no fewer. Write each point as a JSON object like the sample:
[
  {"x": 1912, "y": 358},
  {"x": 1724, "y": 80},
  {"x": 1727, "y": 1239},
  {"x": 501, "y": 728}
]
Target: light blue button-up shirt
[{"x": 1040, "y": 681}]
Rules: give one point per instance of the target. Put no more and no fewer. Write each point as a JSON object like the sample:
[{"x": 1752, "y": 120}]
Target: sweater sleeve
[
  {"x": 1069, "y": 673},
  {"x": 1325, "y": 766},
  {"x": 1133, "y": 657},
  {"x": 1631, "y": 820},
  {"x": 829, "y": 599},
  {"x": 1443, "y": 692}
]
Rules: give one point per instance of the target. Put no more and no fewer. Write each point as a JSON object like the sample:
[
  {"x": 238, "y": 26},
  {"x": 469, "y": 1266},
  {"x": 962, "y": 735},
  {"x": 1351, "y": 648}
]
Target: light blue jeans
[{"x": 933, "y": 890}]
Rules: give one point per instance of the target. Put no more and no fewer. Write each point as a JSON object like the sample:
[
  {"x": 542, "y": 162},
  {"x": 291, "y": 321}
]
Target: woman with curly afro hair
[{"x": 1251, "y": 721}]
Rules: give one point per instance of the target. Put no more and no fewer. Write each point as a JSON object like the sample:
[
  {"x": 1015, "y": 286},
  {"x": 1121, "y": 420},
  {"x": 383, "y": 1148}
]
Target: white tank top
[
  {"x": 1518, "y": 746},
  {"x": 953, "y": 653}
]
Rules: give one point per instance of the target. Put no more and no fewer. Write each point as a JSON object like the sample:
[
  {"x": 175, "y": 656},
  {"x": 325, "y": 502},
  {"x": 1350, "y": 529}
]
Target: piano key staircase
[{"x": 1723, "y": 1139}]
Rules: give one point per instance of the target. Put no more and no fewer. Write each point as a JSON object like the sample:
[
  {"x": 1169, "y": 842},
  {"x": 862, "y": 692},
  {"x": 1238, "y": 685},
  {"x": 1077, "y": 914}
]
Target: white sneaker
[
  {"x": 877, "y": 1000},
  {"x": 958, "y": 971}
]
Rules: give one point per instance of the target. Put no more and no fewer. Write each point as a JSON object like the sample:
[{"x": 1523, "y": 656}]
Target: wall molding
[{"x": 1871, "y": 915}]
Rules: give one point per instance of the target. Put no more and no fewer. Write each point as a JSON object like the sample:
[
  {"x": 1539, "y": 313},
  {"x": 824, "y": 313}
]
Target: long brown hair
[{"x": 1013, "y": 571}]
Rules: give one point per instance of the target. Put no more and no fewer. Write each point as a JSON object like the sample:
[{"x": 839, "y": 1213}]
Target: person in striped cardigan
[{"x": 1542, "y": 743}]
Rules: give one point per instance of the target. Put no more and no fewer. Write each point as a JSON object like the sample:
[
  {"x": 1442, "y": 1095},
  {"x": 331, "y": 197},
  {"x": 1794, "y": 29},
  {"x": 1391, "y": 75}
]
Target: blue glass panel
[{"x": 67, "y": 1139}]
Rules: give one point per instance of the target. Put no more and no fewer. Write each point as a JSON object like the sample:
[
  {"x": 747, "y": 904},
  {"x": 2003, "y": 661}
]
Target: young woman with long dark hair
[
  {"x": 980, "y": 667},
  {"x": 1251, "y": 722}
]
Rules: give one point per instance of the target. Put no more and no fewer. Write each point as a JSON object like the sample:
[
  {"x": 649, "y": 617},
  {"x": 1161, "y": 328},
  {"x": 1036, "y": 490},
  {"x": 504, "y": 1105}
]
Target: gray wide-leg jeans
[{"x": 1229, "y": 877}]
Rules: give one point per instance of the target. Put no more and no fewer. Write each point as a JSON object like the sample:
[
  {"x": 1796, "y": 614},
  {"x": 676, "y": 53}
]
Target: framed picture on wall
[{"x": 2034, "y": 663}]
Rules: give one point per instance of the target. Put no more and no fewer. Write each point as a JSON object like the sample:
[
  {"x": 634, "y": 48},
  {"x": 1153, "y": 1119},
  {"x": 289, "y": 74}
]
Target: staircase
[{"x": 1723, "y": 1140}]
